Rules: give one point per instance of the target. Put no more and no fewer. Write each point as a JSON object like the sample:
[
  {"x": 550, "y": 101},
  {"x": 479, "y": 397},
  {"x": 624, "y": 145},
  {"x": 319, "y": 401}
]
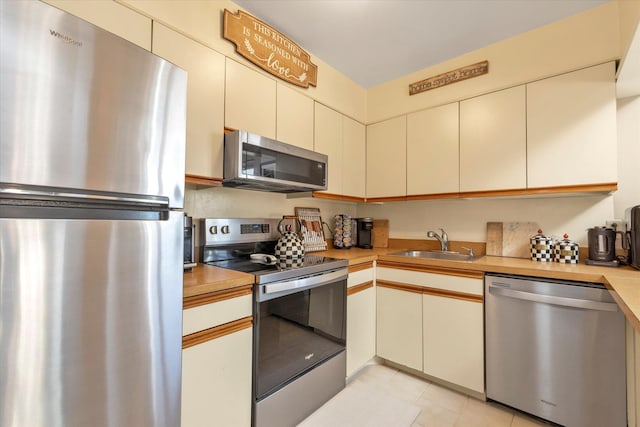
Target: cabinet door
[
  {"x": 205, "y": 99},
  {"x": 493, "y": 141},
  {"x": 354, "y": 158},
  {"x": 328, "y": 140},
  {"x": 399, "y": 326},
  {"x": 361, "y": 329},
  {"x": 386, "y": 158},
  {"x": 453, "y": 341},
  {"x": 433, "y": 151},
  {"x": 250, "y": 100},
  {"x": 571, "y": 128},
  {"x": 216, "y": 381},
  {"x": 294, "y": 118},
  {"x": 110, "y": 16}
]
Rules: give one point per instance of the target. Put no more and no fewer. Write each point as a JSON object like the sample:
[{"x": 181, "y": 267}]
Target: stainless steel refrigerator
[{"x": 92, "y": 140}]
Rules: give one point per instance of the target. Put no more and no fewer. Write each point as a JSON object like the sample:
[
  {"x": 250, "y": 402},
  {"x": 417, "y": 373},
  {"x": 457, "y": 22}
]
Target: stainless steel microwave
[{"x": 258, "y": 163}]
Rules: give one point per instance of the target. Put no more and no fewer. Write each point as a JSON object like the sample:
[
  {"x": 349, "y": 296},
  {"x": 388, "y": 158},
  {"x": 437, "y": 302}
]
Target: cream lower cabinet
[
  {"x": 453, "y": 339},
  {"x": 398, "y": 323},
  {"x": 205, "y": 99},
  {"x": 361, "y": 316},
  {"x": 216, "y": 362},
  {"x": 432, "y": 320},
  {"x": 633, "y": 376}
]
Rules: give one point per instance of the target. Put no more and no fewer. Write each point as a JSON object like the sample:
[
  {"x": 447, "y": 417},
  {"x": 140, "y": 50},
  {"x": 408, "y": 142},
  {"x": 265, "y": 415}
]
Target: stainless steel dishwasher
[{"x": 555, "y": 349}]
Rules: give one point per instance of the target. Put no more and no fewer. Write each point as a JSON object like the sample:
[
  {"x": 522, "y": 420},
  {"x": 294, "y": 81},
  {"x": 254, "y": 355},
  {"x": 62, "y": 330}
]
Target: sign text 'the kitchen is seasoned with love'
[{"x": 269, "y": 49}]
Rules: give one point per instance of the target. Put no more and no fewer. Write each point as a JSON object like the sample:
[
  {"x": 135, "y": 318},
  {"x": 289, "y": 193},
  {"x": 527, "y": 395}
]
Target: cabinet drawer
[
  {"x": 207, "y": 316},
  {"x": 361, "y": 276},
  {"x": 437, "y": 281}
]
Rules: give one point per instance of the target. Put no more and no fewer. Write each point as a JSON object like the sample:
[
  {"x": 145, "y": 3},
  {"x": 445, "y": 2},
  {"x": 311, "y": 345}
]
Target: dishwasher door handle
[{"x": 554, "y": 300}]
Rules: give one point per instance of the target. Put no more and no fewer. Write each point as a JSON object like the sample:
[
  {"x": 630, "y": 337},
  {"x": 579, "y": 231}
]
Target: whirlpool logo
[{"x": 66, "y": 39}]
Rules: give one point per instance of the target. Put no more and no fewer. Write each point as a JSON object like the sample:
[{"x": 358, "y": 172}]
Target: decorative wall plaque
[
  {"x": 269, "y": 49},
  {"x": 449, "y": 77}
]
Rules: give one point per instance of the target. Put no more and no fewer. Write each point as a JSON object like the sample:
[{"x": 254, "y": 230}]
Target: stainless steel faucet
[{"x": 444, "y": 239}]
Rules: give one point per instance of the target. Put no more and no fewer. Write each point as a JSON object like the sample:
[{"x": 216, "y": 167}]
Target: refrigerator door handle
[
  {"x": 554, "y": 300},
  {"x": 85, "y": 197}
]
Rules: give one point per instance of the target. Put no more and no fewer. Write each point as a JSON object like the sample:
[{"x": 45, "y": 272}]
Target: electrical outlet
[{"x": 617, "y": 224}]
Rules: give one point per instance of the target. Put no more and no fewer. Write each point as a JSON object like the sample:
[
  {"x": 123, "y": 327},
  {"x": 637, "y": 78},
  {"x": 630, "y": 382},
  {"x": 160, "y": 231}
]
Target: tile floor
[{"x": 381, "y": 396}]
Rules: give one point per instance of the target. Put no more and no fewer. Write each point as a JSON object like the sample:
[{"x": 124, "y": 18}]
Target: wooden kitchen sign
[
  {"x": 269, "y": 49},
  {"x": 449, "y": 77}
]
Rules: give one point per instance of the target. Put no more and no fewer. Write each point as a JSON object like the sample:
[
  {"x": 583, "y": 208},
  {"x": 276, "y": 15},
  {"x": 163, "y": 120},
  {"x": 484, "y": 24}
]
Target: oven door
[{"x": 300, "y": 324}]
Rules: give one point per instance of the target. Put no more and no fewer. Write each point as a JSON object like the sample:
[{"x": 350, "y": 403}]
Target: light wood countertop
[
  {"x": 623, "y": 282},
  {"x": 204, "y": 279}
]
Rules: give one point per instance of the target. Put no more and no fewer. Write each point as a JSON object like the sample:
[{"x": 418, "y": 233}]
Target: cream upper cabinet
[
  {"x": 110, "y": 16},
  {"x": 493, "y": 146},
  {"x": 353, "y": 155},
  {"x": 361, "y": 319},
  {"x": 205, "y": 98},
  {"x": 328, "y": 140},
  {"x": 571, "y": 128},
  {"x": 387, "y": 158},
  {"x": 250, "y": 100},
  {"x": 433, "y": 151},
  {"x": 294, "y": 117}
]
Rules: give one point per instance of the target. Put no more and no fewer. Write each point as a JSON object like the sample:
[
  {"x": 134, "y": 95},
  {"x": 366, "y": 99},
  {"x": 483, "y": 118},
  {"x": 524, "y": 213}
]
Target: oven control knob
[
  {"x": 225, "y": 229},
  {"x": 213, "y": 229}
]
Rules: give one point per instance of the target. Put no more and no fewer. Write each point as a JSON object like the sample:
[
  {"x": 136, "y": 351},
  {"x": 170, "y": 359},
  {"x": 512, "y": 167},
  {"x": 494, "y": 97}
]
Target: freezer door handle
[
  {"x": 55, "y": 194},
  {"x": 554, "y": 300}
]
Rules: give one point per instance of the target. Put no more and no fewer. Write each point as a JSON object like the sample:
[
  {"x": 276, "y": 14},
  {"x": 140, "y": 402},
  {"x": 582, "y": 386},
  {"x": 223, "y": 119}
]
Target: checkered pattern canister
[
  {"x": 541, "y": 247},
  {"x": 565, "y": 251}
]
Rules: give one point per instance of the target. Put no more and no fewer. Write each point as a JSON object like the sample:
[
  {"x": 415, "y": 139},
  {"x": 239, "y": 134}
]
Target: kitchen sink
[{"x": 448, "y": 255}]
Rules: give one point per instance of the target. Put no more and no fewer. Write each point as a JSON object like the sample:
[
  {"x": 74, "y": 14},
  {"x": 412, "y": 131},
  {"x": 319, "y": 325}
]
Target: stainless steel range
[{"x": 299, "y": 318}]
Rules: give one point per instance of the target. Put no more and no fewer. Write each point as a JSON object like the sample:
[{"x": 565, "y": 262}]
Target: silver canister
[
  {"x": 565, "y": 251},
  {"x": 541, "y": 247}
]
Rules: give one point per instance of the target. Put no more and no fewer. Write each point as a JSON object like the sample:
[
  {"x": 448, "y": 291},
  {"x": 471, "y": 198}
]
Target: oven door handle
[{"x": 306, "y": 282}]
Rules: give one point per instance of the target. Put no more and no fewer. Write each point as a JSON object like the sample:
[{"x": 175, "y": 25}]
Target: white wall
[
  {"x": 234, "y": 203},
  {"x": 466, "y": 220}
]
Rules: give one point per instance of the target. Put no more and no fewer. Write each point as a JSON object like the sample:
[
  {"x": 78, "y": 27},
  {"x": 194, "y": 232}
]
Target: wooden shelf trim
[
  {"x": 424, "y": 290},
  {"x": 212, "y": 297},
  {"x": 203, "y": 180},
  {"x": 604, "y": 187},
  {"x": 432, "y": 269},
  {"x": 359, "y": 267},
  {"x": 331, "y": 196},
  {"x": 359, "y": 288},
  {"x": 216, "y": 332}
]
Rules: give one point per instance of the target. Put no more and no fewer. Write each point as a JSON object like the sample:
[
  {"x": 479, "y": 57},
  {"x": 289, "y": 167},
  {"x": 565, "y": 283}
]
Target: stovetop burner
[
  {"x": 229, "y": 243},
  {"x": 282, "y": 269}
]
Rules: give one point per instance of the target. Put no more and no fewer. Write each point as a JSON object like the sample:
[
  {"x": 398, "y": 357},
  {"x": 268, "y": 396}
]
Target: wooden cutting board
[
  {"x": 380, "y": 234},
  {"x": 510, "y": 239}
]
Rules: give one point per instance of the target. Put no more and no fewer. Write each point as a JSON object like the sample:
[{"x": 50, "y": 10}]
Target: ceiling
[{"x": 374, "y": 41}]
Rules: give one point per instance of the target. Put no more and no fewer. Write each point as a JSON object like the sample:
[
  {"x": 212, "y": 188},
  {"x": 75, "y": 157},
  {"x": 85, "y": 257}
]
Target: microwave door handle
[{"x": 553, "y": 300}]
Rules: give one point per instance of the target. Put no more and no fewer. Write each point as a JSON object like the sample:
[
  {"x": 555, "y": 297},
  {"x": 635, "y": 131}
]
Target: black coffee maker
[{"x": 364, "y": 230}]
